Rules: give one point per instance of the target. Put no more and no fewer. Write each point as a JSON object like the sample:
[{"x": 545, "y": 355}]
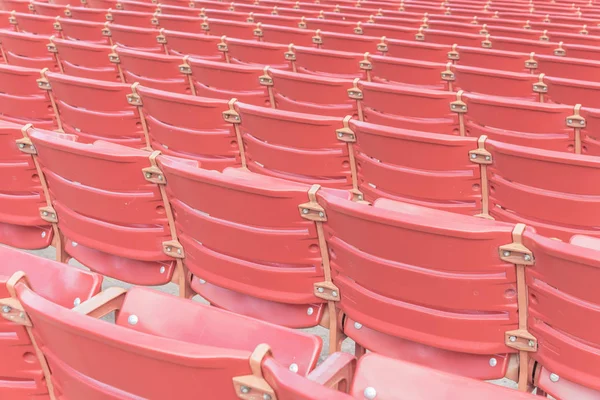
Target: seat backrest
[
  {"x": 226, "y": 81},
  {"x": 88, "y": 14},
  {"x": 32, "y": 23},
  {"x": 192, "y": 44},
  {"x": 253, "y": 53},
  {"x": 407, "y": 107},
  {"x": 27, "y": 50},
  {"x": 329, "y": 63},
  {"x": 490, "y": 58},
  {"x": 130, "y": 18},
  {"x": 415, "y": 50},
  {"x": 134, "y": 38},
  {"x": 86, "y": 106},
  {"x": 284, "y": 34},
  {"x": 61, "y": 284},
  {"x": 21, "y": 195},
  {"x": 190, "y": 127},
  {"x": 261, "y": 263},
  {"x": 518, "y": 45},
  {"x": 85, "y": 60},
  {"x": 89, "y": 31},
  {"x": 417, "y": 167},
  {"x": 47, "y": 9},
  {"x": 525, "y": 123},
  {"x": 568, "y": 67},
  {"x": 21, "y": 100},
  {"x": 562, "y": 306},
  {"x": 444, "y": 294},
  {"x": 299, "y": 147},
  {"x": 516, "y": 85},
  {"x": 181, "y": 23},
  {"x": 536, "y": 186},
  {"x": 236, "y": 29},
  {"x": 385, "y": 69},
  {"x": 121, "y": 239},
  {"x": 158, "y": 71},
  {"x": 15, "y": 5},
  {"x": 344, "y": 42},
  {"x": 573, "y": 91}
]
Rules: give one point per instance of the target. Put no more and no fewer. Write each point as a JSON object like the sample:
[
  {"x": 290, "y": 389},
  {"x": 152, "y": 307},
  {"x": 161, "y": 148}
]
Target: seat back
[
  {"x": 517, "y": 85},
  {"x": 270, "y": 271},
  {"x": 535, "y": 186},
  {"x": 85, "y": 60},
  {"x": 192, "y": 44},
  {"x": 432, "y": 52},
  {"x": 253, "y": 53},
  {"x": 130, "y": 18},
  {"x": 134, "y": 38},
  {"x": 157, "y": 71},
  {"x": 121, "y": 239},
  {"x": 573, "y": 91},
  {"x": 32, "y": 23},
  {"x": 21, "y": 100},
  {"x": 567, "y": 67},
  {"x": 447, "y": 308},
  {"x": 343, "y": 42},
  {"x": 181, "y": 23},
  {"x": 27, "y": 50},
  {"x": 384, "y": 69},
  {"x": 190, "y": 127},
  {"x": 490, "y": 58},
  {"x": 63, "y": 285},
  {"x": 86, "y": 106},
  {"x": 328, "y": 63},
  {"x": 89, "y": 31},
  {"x": 223, "y": 27},
  {"x": 90, "y": 14},
  {"x": 284, "y": 35}
]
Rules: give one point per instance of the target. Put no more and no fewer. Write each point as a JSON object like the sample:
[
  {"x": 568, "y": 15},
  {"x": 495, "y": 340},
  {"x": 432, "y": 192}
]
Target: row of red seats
[
  {"x": 159, "y": 351},
  {"x": 460, "y": 294}
]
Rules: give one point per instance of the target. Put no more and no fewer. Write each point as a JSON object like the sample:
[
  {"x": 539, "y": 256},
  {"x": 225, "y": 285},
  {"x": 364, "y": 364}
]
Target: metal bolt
[
  {"x": 305, "y": 211},
  {"x": 506, "y": 253},
  {"x": 77, "y": 302},
  {"x": 554, "y": 377},
  {"x": 160, "y": 177},
  {"x": 357, "y": 325},
  {"x": 453, "y": 106},
  {"x": 44, "y": 213},
  {"x": 162, "y": 270},
  {"x": 310, "y": 311},
  {"x": 531, "y": 343},
  {"x": 512, "y": 338},
  {"x": 22, "y": 145},
  {"x": 334, "y": 293},
  {"x": 43, "y": 234},
  {"x": 245, "y": 389},
  {"x": 132, "y": 319},
  {"x": 168, "y": 249},
  {"x": 148, "y": 175},
  {"x": 570, "y": 121},
  {"x": 320, "y": 290},
  {"x": 202, "y": 281},
  {"x": 340, "y": 134},
  {"x": 266, "y": 396},
  {"x": 360, "y": 196},
  {"x": 178, "y": 251},
  {"x": 6, "y": 309},
  {"x": 581, "y": 122},
  {"x": 74, "y": 244},
  {"x": 370, "y": 393},
  {"x": 493, "y": 362},
  {"x": 473, "y": 156},
  {"x": 488, "y": 158},
  {"x": 21, "y": 314},
  {"x": 294, "y": 367},
  {"x": 464, "y": 107},
  {"x": 321, "y": 214},
  {"x": 527, "y": 257}
]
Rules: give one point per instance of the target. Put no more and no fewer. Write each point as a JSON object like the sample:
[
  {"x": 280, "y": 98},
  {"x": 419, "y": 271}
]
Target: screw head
[
  {"x": 321, "y": 214},
  {"x": 493, "y": 362},
  {"x": 22, "y": 145},
  {"x": 148, "y": 175},
  {"x": 464, "y": 107},
  {"x": 473, "y": 156},
  {"x": 531, "y": 343},
  {"x": 488, "y": 158},
  {"x": 357, "y": 325},
  {"x": 570, "y": 121},
  {"x": 305, "y": 211},
  {"x": 266, "y": 396},
  {"x": 527, "y": 257},
  {"x": 506, "y": 253},
  {"x": 554, "y": 377},
  {"x": 245, "y": 389},
  {"x": 43, "y": 234},
  {"x": 320, "y": 290},
  {"x": 77, "y": 302},
  {"x": 370, "y": 393},
  {"x": 74, "y": 244},
  {"x": 310, "y": 311},
  {"x": 44, "y": 213},
  {"x": 581, "y": 122},
  {"x": 294, "y": 367},
  {"x": 340, "y": 134},
  {"x": 168, "y": 249},
  {"x": 132, "y": 319},
  {"x": 162, "y": 270},
  {"x": 512, "y": 338},
  {"x": 334, "y": 293},
  {"x": 360, "y": 196},
  {"x": 160, "y": 177},
  {"x": 178, "y": 251},
  {"x": 202, "y": 281},
  {"x": 6, "y": 309}
]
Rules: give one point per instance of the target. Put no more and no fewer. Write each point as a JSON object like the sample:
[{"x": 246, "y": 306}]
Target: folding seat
[
  {"x": 235, "y": 29},
  {"x": 338, "y": 64},
  {"x": 590, "y": 136},
  {"x": 157, "y": 71},
  {"x": 567, "y": 67},
  {"x": 15, "y": 5},
  {"x": 517, "y": 33},
  {"x": 173, "y": 358},
  {"x": 226, "y": 81},
  {"x": 272, "y": 270},
  {"x": 199, "y": 4},
  {"x": 391, "y": 164},
  {"x": 311, "y": 94},
  {"x": 227, "y": 15},
  {"x": 31, "y": 23},
  {"x": 336, "y": 15},
  {"x": 492, "y": 59},
  {"x": 578, "y": 51},
  {"x": 47, "y": 9},
  {"x": 414, "y": 50},
  {"x": 21, "y": 100},
  {"x": 309, "y": 152},
  {"x": 171, "y": 9},
  {"x": 407, "y": 107},
  {"x": 384, "y": 69},
  {"x": 328, "y": 25},
  {"x": 283, "y": 35},
  {"x": 520, "y": 122},
  {"x": 519, "y": 45},
  {"x": 73, "y": 29},
  {"x": 273, "y": 19},
  {"x": 87, "y": 14},
  {"x": 196, "y": 45},
  {"x": 180, "y": 23},
  {"x": 129, "y": 18},
  {"x": 573, "y": 38},
  {"x": 344, "y": 42},
  {"x": 103, "y": 4},
  {"x": 251, "y": 52},
  {"x": 562, "y": 309},
  {"x": 517, "y": 85},
  {"x": 138, "y": 6},
  {"x": 572, "y": 91},
  {"x": 142, "y": 39},
  {"x": 413, "y": 23},
  {"x": 87, "y": 108},
  {"x": 446, "y": 37},
  {"x": 84, "y": 60},
  {"x": 64, "y": 286},
  {"x": 536, "y": 187},
  {"x": 445, "y": 310},
  {"x": 26, "y": 50}
]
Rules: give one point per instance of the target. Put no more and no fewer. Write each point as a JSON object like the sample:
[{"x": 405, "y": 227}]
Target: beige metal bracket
[
  {"x": 254, "y": 387},
  {"x": 453, "y": 54},
  {"x": 317, "y": 39},
  {"x": 559, "y": 51},
  {"x": 135, "y": 100},
  {"x": 531, "y": 63},
  {"x": 358, "y": 30},
  {"x": 460, "y": 107},
  {"x": 540, "y": 87},
  {"x": 577, "y": 122},
  {"x": 382, "y": 46},
  {"x": 482, "y": 157},
  {"x": 486, "y": 43},
  {"x": 233, "y": 117}
]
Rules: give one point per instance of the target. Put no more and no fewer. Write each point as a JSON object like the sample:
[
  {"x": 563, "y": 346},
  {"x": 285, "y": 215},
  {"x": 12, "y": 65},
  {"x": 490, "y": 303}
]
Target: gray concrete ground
[{"x": 348, "y": 345}]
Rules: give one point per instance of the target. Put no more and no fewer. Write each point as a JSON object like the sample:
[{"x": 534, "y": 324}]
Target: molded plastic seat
[
  {"x": 220, "y": 27},
  {"x": 73, "y": 29},
  {"x": 491, "y": 58},
  {"x": 21, "y": 100},
  {"x": 27, "y": 50},
  {"x": 573, "y": 91},
  {"x": 192, "y": 44},
  {"x": 85, "y": 60},
  {"x": 261, "y": 263},
  {"x": 517, "y": 85},
  {"x": 134, "y": 38},
  {"x": 432, "y": 52},
  {"x": 130, "y": 18},
  {"x": 344, "y": 42},
  {"x": 385, "y": 69},
  {"x": 190, "y": 127},
  {"x": 333, "y": 63},
  {"x": 438, "y": 300},
  {"x": 422, "y": 168},
  {"x": 93, "y": 110},
  {"x": 31, "y": 23},
  {"x": 284, "y": 35},
  {"x": 253, "y": 53},
  {"x": 567, "y": 67},
  {"x": 181, "y": 23},
  {"x": 64, "y": 286},
  {"x": 294, "y": 146}
]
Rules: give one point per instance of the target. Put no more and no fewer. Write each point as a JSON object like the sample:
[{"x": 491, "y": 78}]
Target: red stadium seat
[
  {"x": 179, "y": 23},
  {"x": 446, "y": 310},
  {"x": 129, "y": 18},
  {"x": 157, "y": 71},
  {"x": 220, "y": 27},
  {"x": 84, "y": 60},
  {"x": 566, "y": 67},
  {"x": 31, "y": 23},
  {"x": 22, "y": 101},
  {"x": 385, "y": 69},
  {"x": 309, "y": 152},
  {"x": 73, "y": 29},
  {"x": 283, "y": 35},
  {"x": 572, "y": 91},
  {"x": 15, "y": 5},
  {"x": 86, "y": 107},
  {"x": 226, "y": 81},
  {"x": 27, "y": 50},
  {"x": 414, "y": 50},
  {"x": 195, "y": 45},
  {"x": 391, "y": 165},
  {"x": 190, "y": 127},
  {"x": 253, "y": 53},
  {"x": 516, "y": 85},
  {"x": 65, "y": 287},
  {"x": 142, "y": 39},
  {"x": 88, "y": 14},
  {"x": 590, "y": 138},
  {"x": 491, "y": 59},
  {"x": 343, "y": 42},
  {"x": 337, "y": 64},
  {"x": 389, "y": 31},
  {"x": 446, "y": 37},
  {"x": 47, "y": 9}
]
